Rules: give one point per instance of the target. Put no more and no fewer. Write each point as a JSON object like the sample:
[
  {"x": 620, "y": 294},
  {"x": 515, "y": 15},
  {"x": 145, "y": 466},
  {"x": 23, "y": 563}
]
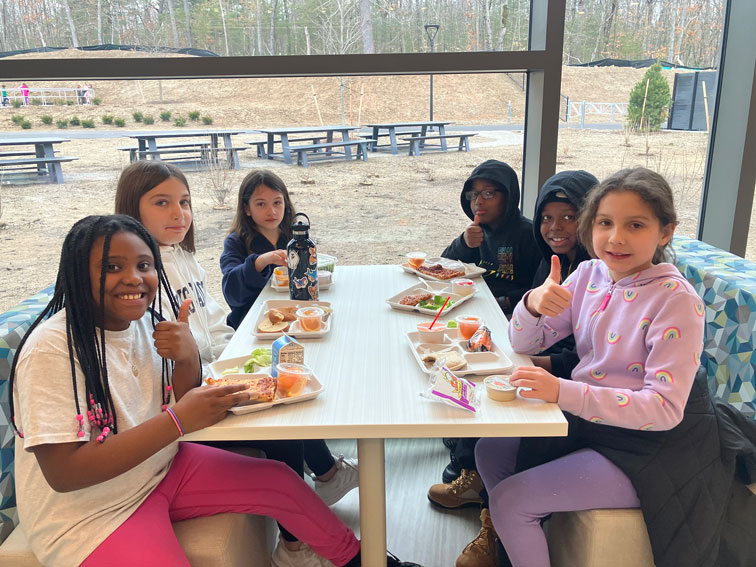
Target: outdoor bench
[
  {"x": 262, "y": 146},
  {"x": 134, "y": 153},
  {"x": 43, "y": 166},
  {"x": 417, "y": 142},
  {"x": 228, "y": 540},
  {"x": 323, "y": 151},
  {"x": 18, "y": 153},
  {"x": 727, "y": 285},
  {"x": 374, "y": 146}
]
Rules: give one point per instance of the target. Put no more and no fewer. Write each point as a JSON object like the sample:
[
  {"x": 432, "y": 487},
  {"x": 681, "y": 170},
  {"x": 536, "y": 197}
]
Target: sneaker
[
  {"x": 464, "y": 491},
  {"x": 481, "y": 552},
  {"x": 393, "y": 561},
  {"x": 452, "y": 470},
  {"x": 302, "y": 557},
  {"x": 345, "y": 479}
]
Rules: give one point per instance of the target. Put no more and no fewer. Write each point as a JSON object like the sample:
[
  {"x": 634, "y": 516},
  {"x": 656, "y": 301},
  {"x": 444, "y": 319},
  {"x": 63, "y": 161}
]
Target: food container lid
[
  {"x": 462, "y": 281},
  {"x": 293, "y": 368},
  {"x": 498, "y": 388},
  {"x": 310, "y": 312}
]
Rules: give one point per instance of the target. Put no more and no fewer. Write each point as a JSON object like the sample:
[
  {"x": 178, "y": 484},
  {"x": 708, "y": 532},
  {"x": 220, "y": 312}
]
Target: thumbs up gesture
[
  {"x": 550, "y": 298},
  {"x": 173, "y": 339},
  {"x": 473, "y": 234}
]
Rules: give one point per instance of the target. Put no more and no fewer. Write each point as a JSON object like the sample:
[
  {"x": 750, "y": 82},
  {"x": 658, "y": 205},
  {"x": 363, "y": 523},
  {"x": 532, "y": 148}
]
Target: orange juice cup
[
  {"x": 468, "y": 324},
  {"x": 416, "y": 259},
  {"x": 281, "y": 274},
  {"x": 430, "y": 334},
  {"x": 310, "y": 318},
  {"x": 292, "y": 378}
]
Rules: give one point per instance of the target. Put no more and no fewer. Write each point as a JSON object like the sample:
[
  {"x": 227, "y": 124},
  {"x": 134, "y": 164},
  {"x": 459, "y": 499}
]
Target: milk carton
[{"x": 286, "y": 349}]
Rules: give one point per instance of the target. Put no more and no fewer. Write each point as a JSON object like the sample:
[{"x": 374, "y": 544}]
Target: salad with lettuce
[
  {"x": 435, "y": 303},
  {"x": 259, "y": 358}
]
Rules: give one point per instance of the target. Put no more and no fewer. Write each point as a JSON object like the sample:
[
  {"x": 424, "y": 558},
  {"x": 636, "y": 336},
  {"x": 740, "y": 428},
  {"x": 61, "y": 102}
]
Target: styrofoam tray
[
  {"x": 436, "y": 288},
  {"x": 285, "y": 288},
  {"x": 312, "y": 389},
  {"x": 471, "y": 270},
  {"x": 480, "y": 363},
  {"x": 294, "y": 329}
]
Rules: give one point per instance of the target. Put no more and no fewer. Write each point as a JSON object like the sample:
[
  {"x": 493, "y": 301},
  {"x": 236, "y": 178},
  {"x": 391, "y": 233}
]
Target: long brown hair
[
  {"x": 243, "y": 224},
  {"x": 649, "y": 186},
  {"x": 140, "y": 178}
]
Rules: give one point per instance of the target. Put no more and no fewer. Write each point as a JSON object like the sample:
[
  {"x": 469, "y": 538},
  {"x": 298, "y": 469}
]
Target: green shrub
[
  {"x": 207, "y": 120},
  {"x": 46, "y": 119},
  {"x": 137, "y": 116},
  {"x": 59, "y": 102},
  {"x": 179, "y": 122},
  {"x": 36, "y": 102},
  {"x": 17, "y": 119},
  {"x": 96, "y": 101},
  {"x": 194, "y": 115},
  {"x": 658, "y": 100},
  {"x": 61, "y": 124},
  {"x": 165, "y": 115},
  {"x": 149, "y": 120},
  {"x": 120, "y": 122},
  {"x": 25, "y": 124},
  {"x": 88, "y": 123},
  {"x": 107, "y": 119},
  {"x": 17, "y": 104},
  {"x": 74, "y": 121},
  {"x": 70, "y": 102}
]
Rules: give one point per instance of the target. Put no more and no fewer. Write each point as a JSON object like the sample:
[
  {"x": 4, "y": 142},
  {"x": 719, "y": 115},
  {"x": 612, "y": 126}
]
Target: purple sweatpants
[
  {"x": 204, "y": 481},
  {"x": 582, "y": 480}
]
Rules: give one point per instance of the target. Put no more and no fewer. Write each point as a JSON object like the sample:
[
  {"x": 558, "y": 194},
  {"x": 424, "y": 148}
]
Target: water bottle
[{"x": 302, "y": 258}]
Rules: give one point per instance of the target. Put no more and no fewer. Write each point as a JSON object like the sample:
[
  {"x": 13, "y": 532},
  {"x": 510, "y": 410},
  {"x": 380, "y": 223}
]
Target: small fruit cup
[
  {"x": 310, "y": 319},
  {"x": 292, "y": 378},
  {"x": 281, "y": 273},
  {"x": 430, "y": 334},
  {"x": 463, "y": 286},
  {"x": 416, "y": 259},
  {"x": 467, "y": 325}
]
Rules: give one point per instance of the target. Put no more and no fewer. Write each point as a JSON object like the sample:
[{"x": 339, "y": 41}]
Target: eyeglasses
[{"x": 487, "y": 194}]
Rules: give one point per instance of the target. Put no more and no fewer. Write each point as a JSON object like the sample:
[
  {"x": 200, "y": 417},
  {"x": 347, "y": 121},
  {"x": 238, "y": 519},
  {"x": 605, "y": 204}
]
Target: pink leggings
[
  {"x": 583, "y": 480},
  {"x": 204, "y": 481}
]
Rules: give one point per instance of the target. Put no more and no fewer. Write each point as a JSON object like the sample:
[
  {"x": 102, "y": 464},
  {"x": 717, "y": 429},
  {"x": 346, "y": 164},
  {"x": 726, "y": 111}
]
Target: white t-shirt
[
  {"x": 207, "y": 319},
  {"x": 64, "y": 528}
]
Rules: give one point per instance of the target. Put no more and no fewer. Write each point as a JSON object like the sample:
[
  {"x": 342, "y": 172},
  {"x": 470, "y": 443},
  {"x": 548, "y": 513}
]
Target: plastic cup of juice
[
  {"x": 430, "y": 334},
  {"x": 468, "y": 324},
  {"x": 281, "y": 274},
  {"x": 416, "y": 259},
  {"x": 463, "y": 286},
  {"x": 292, "y": 378},
  {"x": 310, "y": 318}
]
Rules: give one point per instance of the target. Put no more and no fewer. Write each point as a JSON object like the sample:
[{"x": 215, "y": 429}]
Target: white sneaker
[
  {"x": 345, "y": 479},
  {"x": 303, "y": 557}
]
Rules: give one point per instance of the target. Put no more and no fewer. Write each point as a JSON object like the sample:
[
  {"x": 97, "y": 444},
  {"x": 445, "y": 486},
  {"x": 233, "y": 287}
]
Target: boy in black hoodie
[{"x": 499, "y": 239}]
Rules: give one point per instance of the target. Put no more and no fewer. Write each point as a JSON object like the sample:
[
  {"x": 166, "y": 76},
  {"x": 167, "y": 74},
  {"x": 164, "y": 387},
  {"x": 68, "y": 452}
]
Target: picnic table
[
  {"x": 207, "y": 148},
  {"x": 40, "y": 161},
  {"x": 371, "y": 383},
  {"x": 392, "y": 129},
  {"x": 329, "y": 149}
]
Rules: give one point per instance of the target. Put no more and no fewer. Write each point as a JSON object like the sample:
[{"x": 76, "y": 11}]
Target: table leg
[
  {"x": 374, "y": 144},
  {"x": 372, "y": 458},
  {"x": 442, "y": 132},
  {"x": 271, "y": 143},
  {"x": 232, "y": 156},
  {"x": 347, "y": 149},
  {"x": 285, "y": 148},
  {"x": 392, "y": 137},
  {"x": 152, "y": 145}
]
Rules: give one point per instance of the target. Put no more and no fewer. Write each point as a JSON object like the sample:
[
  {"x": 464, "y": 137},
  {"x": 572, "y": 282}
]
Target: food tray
[
  {"x": 312, "y": 389},
  {"x": 480, "y": 363},
  {"x": 294, "y": 329},
  {"x": 471, "y": 270},
  {"x": 285, "y": 288},
  {"x": 436, "y": 288}
]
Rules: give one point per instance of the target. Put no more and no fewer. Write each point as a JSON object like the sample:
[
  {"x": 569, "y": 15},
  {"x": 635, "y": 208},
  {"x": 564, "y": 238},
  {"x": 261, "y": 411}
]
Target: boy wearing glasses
[{"x": 499, "y": 239}]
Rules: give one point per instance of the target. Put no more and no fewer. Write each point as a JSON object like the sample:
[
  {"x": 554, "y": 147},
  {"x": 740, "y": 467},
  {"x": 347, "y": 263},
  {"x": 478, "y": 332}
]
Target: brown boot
[
  {"x": 461, "y": 492},
  {"x": 481, "y": 552}
]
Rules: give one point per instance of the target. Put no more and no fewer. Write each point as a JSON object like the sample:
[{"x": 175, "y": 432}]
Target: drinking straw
[{"x": 439, "y": 312}]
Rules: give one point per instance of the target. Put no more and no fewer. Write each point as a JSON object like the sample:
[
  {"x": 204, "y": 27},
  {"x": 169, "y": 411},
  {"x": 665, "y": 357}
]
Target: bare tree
[
  {"x": 188, "y": 24},
  {"x": 74, "y": 38},
  {"x": 174, "y": 29},
  {"x": 223, "y": 20},
  {"x": 503, "y": 29},
  {"x": 366, "y": 23}
]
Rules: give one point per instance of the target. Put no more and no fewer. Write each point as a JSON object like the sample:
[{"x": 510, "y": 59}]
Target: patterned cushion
[
  {"x": 13, "y": 326},
  {"x": 727, "y": 284}
]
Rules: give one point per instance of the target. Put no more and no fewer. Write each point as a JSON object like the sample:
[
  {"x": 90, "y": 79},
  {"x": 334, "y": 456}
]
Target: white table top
[{"x": 372, "y": 381}]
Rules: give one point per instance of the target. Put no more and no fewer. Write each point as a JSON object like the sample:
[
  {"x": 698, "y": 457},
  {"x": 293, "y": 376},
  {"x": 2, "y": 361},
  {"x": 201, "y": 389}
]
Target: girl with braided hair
[{"x": 102, "y": 389}]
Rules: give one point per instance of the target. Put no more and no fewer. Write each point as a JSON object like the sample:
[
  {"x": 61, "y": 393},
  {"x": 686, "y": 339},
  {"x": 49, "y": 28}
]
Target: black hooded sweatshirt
[
  {"x": 574, "y": 184},
  {"x": 509, "y": 254}
]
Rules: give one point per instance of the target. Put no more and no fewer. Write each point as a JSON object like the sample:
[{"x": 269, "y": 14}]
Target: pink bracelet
[{"x": 176, "y": 421}]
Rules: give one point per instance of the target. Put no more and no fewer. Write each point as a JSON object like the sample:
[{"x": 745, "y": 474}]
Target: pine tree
[{"x": 658, "y": 100}]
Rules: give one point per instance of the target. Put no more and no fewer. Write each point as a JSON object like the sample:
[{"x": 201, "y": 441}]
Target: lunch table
[
  {"x": 41, "y": 160},
  {"x": 390, "y": 129},
  {"x": 372, "y": 384},
  {"x": 281, "y": 136},
  {"x": 148, "y": 144}
]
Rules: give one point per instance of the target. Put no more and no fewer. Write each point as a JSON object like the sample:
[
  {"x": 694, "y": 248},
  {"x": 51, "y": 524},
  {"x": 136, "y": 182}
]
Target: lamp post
[{"x": 431, "y": 30}]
